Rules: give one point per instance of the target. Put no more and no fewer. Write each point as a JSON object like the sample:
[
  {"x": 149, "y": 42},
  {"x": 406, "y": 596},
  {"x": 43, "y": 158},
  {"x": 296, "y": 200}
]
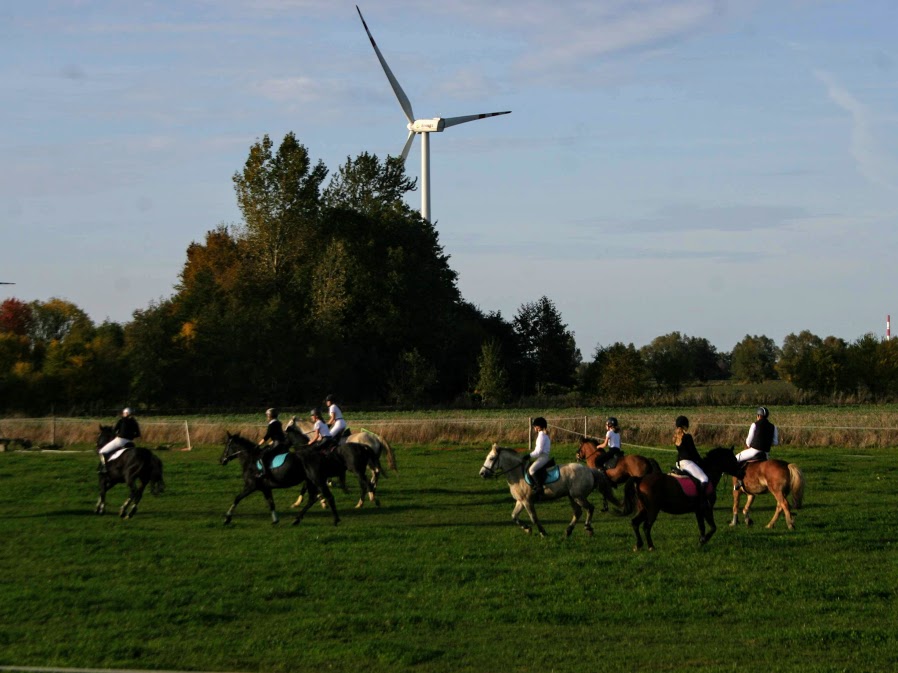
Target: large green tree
[
  {"x": 754, "y": 359},
  {"x": 548, "y": 348}
]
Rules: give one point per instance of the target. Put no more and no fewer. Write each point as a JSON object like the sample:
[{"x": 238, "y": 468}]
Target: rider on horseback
[
  {"x": 335, "y": 422},
  {"x": 126, "y": 431},
  {"x": 762, "y": 435},
  {"x": 320, "y": 437},
  {"x": 611, "y": 445},
  {"x": 274, "y": 433},
  {"x": 540, "y": 454},
  {"x": 689, "y": 460}
]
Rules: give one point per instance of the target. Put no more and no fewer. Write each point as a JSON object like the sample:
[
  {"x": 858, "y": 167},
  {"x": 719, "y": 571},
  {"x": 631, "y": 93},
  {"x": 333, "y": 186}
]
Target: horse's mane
[
  {"x": 722, "y": 456},
  {"x": 591, "y": 440},
  {"x": 242, "y": 441}
]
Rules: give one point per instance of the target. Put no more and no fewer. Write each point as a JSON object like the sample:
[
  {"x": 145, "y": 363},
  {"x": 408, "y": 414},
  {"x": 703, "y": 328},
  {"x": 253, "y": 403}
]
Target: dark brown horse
[
  {"x": 137, "y": 467},
  {"x": 779, "y": 478},
  {"x": 655, "y": 493}
]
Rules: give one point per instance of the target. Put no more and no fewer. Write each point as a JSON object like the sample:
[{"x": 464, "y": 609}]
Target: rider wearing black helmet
[
  {"x": 320, "y": 436},
  {"x": 277, "y": 441},
  {"x": 335, "y": 422},
  {"x": 762, "y": 435},
  {"x": 611, "y": 446},
  {"x": 690, "y": 461},
  {"x": 540, "y": 455}
]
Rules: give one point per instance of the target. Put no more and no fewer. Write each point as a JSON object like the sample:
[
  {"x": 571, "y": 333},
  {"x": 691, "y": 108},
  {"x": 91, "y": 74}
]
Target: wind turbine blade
[
  {"x": 408, "y": 145},
  {"x": 400, "y": 94},
  {"x": 454, "y": 121}
]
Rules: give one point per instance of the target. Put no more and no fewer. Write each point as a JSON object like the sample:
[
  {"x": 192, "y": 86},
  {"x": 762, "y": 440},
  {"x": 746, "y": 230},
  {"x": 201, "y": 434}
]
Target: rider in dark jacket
[{"x": 274, "y": 434}]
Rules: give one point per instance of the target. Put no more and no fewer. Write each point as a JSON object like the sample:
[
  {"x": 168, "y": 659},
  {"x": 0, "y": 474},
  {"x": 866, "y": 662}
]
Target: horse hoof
[
  {"x": 590, "y": 531},
  {"x": 377, "y": 502},
  {"x": 336, "y": 521},
  {"x": 296, "y": 521},
  {"x": 636, "y": 547},
  {"x": 227, "y": 520},
  {"x": 568, "y": 531},
  {"x": 359, "y": 504},
  {"x": 651, "y": 549}
]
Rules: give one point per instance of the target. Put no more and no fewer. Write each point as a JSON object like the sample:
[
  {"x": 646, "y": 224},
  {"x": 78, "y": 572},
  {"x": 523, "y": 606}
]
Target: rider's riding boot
[
  {"x": 537, "y": 487},
  {"x": 739, "y": 486},
  {"x": 102, "y": 468}
]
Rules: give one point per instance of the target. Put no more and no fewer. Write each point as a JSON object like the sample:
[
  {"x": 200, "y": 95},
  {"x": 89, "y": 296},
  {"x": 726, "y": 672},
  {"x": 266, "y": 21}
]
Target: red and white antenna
[{"x": 888, "y": 328}]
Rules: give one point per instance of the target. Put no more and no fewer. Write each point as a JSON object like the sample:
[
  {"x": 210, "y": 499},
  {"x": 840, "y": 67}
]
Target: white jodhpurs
[
  {"x": 748, "y": 454},
  {"x": 538, "y": 463},
  {"x": 693, "y": 470},
  {"x": 113, "y": 446}
]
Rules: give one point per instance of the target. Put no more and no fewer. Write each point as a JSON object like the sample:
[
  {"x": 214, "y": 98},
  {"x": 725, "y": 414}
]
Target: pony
[
  {"x": 626, "y": 466},
  {"x": 575, "y": 481},
  {"x": 777, "y": 477},
  {"x": 136, "y": 466},
  {"x": 656, "y": 492},
  {"x": 302, "y": 467},
  {"x": 353, "y": 456}
]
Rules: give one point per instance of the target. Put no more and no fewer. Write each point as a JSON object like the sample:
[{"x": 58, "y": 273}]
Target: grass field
[{"x": 438, "y": 579}]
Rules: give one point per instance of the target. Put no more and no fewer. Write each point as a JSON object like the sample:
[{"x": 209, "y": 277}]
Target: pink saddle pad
[{"x": 688, "y": 486}]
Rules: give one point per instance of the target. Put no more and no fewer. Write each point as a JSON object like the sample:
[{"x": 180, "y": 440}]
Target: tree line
[{"x": 336, "y": 285}]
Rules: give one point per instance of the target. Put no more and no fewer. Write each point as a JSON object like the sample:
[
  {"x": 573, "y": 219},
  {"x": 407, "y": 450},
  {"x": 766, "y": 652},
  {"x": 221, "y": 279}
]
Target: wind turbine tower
[{"x": 422, "y": 127}]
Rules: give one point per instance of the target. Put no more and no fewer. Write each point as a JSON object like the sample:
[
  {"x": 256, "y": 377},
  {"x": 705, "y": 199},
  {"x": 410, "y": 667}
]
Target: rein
[
  {"x": 519, "y": 466},
  {"x": 595, "y": 450}
]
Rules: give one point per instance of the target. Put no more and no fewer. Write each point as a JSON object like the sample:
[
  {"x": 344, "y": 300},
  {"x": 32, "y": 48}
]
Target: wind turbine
[{"x": 422, "y": 127}]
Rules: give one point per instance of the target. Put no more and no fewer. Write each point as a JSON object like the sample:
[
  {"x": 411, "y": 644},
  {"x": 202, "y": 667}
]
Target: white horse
[
  {"x": 379, "y": 445},
  {"x": 576, "y": 481}
]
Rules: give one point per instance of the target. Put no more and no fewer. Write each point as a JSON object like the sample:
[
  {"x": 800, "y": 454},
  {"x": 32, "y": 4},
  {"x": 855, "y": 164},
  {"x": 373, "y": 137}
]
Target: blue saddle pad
[
  {"x": 276, "y": 462},
  {"x": 554, "y": 474}
]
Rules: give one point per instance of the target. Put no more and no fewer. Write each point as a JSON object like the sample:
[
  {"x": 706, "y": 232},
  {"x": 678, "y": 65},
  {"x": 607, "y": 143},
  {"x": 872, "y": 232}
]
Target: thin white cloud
[{"x": 872, "y": 162}]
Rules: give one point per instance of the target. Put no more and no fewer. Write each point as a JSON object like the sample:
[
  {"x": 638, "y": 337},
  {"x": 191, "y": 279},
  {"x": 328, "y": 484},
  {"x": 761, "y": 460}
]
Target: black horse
[
  {"x": 137, "y": 467},
  {"x": 302, "y": 467},
  {"x": 349, "y": 456}
]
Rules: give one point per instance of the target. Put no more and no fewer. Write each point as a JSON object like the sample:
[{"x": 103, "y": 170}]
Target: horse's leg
[
  {"x": 269, "y": 498},
  {"x": 362, "y": 478},
  {"x": 578, "y": 512},
  {"x": 636, "y": 522},
  {"x": 712, "y": 527},
  {"x": 302, "y": 492},
  {"x": 746, "y": 511},
  {"x": 515, "y": 513},
  {"x": 647, "y": 527},
  {"x": 248, "y": 488},
  {"x": 531, "y": 511},
  {"x": 135, "y": 499},
  {"x": 737, "y": 495},
  {"x": 329, "y": 499},
  {"x": 590, "y": 510},
  {"x": 101, "y": 502},
  {"x": 782, "y": 505}
]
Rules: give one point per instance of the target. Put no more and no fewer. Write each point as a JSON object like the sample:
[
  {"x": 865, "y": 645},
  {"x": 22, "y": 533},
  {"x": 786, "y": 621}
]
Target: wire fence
[{"x": 646, "y": 432}]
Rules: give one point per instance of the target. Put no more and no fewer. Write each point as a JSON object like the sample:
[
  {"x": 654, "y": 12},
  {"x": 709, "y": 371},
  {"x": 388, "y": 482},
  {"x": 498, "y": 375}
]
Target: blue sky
[{"x": 720, "y": 168}]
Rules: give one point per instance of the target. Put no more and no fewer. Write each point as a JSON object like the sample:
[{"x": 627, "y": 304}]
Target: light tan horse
[
  {"x": 576, "y": 482},
  {"x": 379, "y": 445},
  {"x": 779, "y": 478}
]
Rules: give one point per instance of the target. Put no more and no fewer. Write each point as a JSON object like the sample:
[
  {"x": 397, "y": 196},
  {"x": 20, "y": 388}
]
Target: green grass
[{"x": 438, "y": 579}]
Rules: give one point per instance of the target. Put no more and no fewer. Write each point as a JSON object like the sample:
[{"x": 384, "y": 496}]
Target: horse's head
[
  {"x": 236, "y": 446},
  {"x": 587, "y": 447},
  {"x": 498, "y": 460},
  {"x": 722, "y": 460},
  {"x": 295, "y": 433},
  {"x": 107, "y": 434}
]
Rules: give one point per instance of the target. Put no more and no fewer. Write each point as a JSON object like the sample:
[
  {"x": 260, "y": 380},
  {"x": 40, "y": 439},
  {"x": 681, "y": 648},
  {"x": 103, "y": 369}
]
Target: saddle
[
  {"x": 276, "y": 462},
  {"x": 611, "y": 463},
  {"x": 689, "y": 484},
  {"x": 118, "y": 452},
  {"x": 550, "y": 470}
]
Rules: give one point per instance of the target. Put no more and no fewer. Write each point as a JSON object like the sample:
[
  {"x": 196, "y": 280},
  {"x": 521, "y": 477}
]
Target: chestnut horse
[
  {"x": 627, "y": 465},
  {"x": 779, "y": 478},
  {"x": 655, "y": 493}
]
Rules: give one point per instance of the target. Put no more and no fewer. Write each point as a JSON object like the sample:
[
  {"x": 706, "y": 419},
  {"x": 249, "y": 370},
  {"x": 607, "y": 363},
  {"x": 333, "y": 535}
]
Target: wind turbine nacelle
[{"x": 434, "y": 125}]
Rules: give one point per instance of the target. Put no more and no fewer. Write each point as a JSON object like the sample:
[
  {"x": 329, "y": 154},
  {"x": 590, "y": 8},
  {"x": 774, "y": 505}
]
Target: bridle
[
  {"x": 491, "y": 468},
  {"x": 585, "y": 456}
]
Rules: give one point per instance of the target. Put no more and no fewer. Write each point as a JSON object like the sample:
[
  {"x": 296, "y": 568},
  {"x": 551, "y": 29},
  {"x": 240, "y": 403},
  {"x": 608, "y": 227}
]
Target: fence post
[
  {"x": 187, "y": 430},
  {"x": 530, "y": 434},
  {"x": 586, "y": 426}
]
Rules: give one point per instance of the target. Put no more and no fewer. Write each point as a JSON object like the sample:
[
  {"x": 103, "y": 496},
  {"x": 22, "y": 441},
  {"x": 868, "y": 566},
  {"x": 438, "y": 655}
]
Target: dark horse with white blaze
[
  {"x": 302, "y": 467},
  {"x": 137, "y": 467},
  {"x": 655, "y": 493}
]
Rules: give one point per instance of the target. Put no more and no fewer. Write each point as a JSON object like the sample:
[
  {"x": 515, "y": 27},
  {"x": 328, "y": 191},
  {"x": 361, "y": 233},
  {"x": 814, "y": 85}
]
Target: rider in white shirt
[
  {"x": 540, "y": 454},
  {"x": 336, "y": 422}
]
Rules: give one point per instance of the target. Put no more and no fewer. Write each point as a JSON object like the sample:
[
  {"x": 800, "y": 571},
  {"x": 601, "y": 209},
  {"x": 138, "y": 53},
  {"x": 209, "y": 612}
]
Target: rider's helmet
[
  {"x": 330, "y": 399},
  {"x": 127, "y": 411},
  {"x": 316, "y": 412},
  {"x": 271, "y": 412},
  {"x": 612, "y": 421},
  {"x": 762, "y": 412},
  {"x": 540, "y": 422},
  {"x": 682, "y": 422}
]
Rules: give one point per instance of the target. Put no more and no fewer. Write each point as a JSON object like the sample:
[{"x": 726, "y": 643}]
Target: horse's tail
[
  {"x": 157, "y": 483},
  {"x": 373, "y": 459},
  {"x": 391, "y": 458},
  {"x": 630, "y": 495},
  {"x": 654, "y": 467},
  {"x": 602, "y": 484},
  {"x": 796, "y": 485}
]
